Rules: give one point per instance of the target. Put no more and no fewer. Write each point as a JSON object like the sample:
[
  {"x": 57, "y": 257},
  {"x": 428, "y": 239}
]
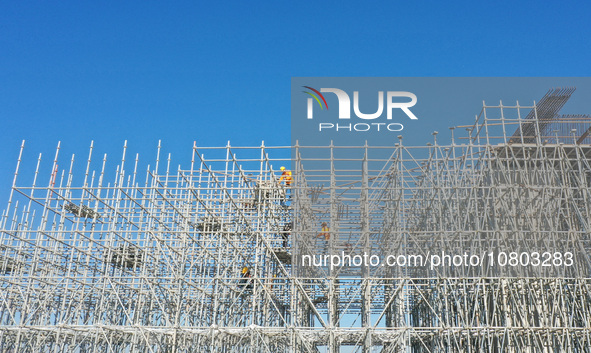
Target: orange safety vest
[
  {"x": 324, "y": 233},
  {"x": 286, "y": 175}
]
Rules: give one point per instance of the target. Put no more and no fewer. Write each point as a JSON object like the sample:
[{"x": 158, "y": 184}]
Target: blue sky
[{"x": 217, "y": 71}]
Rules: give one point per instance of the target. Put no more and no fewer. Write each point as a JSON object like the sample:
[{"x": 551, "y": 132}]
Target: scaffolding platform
[
  {"x": 150, "y": 258},
  {"x": 283, "y": 255}
]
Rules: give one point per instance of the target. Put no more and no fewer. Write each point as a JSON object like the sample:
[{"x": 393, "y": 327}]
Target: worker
[
  {"x": 286, "y": 175},
  {"x": 273, "y": 281},
  {"x": 245, "y": 281},
  {"x": 324, "y": 231},
  {"x": 286, "y": 233},
  {"x": 348, "y": 248}
]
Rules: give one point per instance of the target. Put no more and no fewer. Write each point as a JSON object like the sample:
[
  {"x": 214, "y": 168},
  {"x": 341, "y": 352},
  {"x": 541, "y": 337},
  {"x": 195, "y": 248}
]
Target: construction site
[{"x": 207, "y": 256}]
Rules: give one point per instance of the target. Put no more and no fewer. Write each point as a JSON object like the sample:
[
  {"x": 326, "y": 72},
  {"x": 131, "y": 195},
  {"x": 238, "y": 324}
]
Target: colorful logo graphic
[
  {"x": 315, "y": 96},
  {"x": 392, "y": 102}
]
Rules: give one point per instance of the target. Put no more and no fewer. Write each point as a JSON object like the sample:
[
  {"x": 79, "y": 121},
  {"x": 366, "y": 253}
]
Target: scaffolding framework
[{"x": 152, "y": 260}]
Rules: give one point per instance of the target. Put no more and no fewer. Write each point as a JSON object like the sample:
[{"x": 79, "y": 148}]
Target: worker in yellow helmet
[
  {"x": 324, "y": 231},
  {"x": 245, "y": 281},
  {"x": 286, "y": 175}
]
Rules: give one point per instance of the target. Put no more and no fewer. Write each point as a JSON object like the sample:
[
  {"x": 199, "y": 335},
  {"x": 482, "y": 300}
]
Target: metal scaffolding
[{"x": 210, "y": 258}]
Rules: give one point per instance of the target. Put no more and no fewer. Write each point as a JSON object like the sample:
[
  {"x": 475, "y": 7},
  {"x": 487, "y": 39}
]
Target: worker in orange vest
[
  {"x": 324, "y": 231},
  {"x": 286, "y": 175}
]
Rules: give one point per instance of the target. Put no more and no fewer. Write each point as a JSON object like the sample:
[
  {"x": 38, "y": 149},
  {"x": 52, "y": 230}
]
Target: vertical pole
[
  {"x": 18, "y": 163},
  {"x": 333, "y": 286},
  {"x": 365, "y": 285}
]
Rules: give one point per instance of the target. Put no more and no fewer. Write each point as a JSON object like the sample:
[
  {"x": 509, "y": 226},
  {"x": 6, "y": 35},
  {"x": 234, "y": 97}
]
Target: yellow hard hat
[
  {"x": 244, "y": 269},
  {"x": 282, "y": 168}
]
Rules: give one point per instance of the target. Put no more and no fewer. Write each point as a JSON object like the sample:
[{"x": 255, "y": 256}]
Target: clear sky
[{"x": 76, "y": 71}]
